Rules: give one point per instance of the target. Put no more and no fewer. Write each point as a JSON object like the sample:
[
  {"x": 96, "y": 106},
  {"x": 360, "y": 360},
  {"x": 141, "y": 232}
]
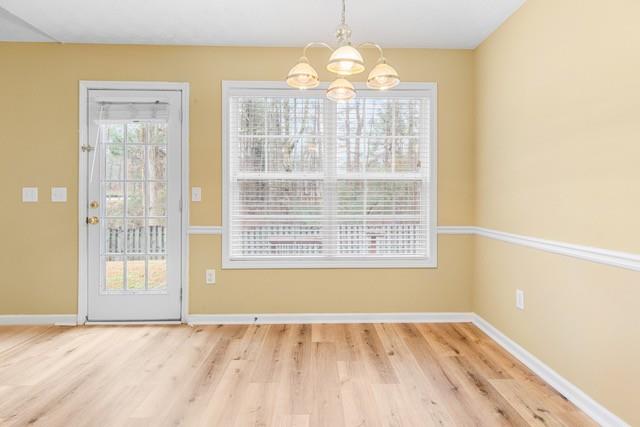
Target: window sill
[{"x": 289, "y": 264}]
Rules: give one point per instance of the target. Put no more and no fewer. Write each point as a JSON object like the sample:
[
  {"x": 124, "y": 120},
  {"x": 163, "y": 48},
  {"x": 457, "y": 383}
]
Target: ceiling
[{"x": 461, "y": 24}]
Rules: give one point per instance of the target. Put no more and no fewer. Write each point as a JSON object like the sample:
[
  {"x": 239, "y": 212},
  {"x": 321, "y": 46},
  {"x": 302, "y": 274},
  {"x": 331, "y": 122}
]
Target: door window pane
[
  {"x": 157, "y": 133},
  {"x": 114, "y": 162},
  {"x": 135, "y": 133},
  {"x": 157, "y": 163},
  {"x": 157, "y": 235},
  {"x": 135, "y": 236},
  {"x": 135, "y": 162},
  {"x": 114, "y": 280},
  {"x": 135, "y": 199},
  {"x": 113, "y": 133},
  {"x": 114, "y": 236},
  {"x": 136, "y": 273},
  {"x": 113, "y": 198},
  {"x": 157, "y": 272},
  {"x": 157, "y": 199}
]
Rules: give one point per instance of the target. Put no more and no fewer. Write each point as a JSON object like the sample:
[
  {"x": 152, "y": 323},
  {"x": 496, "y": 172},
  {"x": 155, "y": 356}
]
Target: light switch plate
[
  {"x": 59, "y": 194},
  {"x": 196, "y": 194},
  {"x": 29, "y": 194}
]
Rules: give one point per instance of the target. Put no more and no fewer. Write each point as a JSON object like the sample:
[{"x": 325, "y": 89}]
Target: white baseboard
[
  {"x": 596, "y": 411},
  {"x": 133, "y": 323},
  {"x": 243, "y": 319},
  {"x": 38, "y": 319}
]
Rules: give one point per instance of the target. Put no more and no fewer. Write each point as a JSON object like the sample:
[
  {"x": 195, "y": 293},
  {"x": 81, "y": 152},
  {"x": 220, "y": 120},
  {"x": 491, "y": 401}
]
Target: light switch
[
  {"x": 196, "y": 194},
  {"x": 58, "y": 194},
  {"x": 29, "y": 194}
]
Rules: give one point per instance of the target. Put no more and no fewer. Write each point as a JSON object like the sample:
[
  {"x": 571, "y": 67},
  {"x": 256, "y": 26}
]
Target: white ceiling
[{"x": 391, "y": 23}]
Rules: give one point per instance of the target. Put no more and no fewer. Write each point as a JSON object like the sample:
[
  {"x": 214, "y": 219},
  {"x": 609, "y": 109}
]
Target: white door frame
[{"x": 85, "y": 87}]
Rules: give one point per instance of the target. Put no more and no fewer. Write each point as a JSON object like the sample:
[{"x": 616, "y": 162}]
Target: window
[{"x": 313, "y": 183}]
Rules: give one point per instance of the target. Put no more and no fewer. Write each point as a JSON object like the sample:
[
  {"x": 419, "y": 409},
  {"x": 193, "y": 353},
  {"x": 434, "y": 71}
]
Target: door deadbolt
[{"x": 94, "y": 204}]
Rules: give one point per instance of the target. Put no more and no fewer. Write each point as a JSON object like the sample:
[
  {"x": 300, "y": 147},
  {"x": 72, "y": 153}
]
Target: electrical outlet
[
  {"x": 196, "y": 194},
  {"x": 519, "y": 299},
  {"x": 210, "y": 277}
]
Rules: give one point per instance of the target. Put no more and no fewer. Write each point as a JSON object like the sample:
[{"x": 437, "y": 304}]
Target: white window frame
[{"x": 235, "y": 88}]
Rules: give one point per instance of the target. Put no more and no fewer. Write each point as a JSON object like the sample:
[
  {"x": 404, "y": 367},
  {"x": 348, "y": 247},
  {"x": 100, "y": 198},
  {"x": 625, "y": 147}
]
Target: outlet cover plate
[
  {"x": 210, "y": 277},
  {"x": 196, "y": 194},
  {"x": 519, "y": 299}
]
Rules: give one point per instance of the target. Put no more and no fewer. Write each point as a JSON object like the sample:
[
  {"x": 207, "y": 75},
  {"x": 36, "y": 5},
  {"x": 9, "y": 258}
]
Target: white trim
[
  {"x": 277, "y": 84},
  {"x": 184, "y": 201},
  {"x": 217, "y": 229},
  {"x": 83, "y": 115},
  {"x": 620, "y": 259},
  {"x": 599, "y": 255},
  {"x": 205, "y": 229},
  {"x": 277, "y": 88},
  {"x": 298, "y": 318},
  {"x": 84, "y": 87},
  {"x": 593, "y": 409},
  {"x": 38, "y": 319},
  {"x": 456, "y": 229},
  {"x": 144, "y": 322}
]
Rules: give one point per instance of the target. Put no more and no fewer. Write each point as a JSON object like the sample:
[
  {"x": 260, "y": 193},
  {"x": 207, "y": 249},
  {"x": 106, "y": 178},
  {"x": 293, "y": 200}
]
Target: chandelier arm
[
  {"x": 316, "y": 44},
  {"x": 374, "y": 45}
]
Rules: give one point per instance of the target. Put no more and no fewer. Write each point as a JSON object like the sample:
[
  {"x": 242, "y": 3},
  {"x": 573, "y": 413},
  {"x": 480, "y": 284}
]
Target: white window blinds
[
  {"x": 124, "y": 111},
  {"x": 312, "y": 183}
]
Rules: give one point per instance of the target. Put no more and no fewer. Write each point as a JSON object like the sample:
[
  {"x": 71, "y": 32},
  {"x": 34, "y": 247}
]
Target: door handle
[{"x": 92, "y": 220}]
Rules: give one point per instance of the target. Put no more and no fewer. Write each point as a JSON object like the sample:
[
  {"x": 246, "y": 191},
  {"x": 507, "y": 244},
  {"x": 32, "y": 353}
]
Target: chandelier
[{"x": 344, "y": 61}]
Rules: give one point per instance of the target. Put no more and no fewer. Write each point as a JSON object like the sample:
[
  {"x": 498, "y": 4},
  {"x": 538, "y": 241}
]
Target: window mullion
[{"x": 330, "y": 184}]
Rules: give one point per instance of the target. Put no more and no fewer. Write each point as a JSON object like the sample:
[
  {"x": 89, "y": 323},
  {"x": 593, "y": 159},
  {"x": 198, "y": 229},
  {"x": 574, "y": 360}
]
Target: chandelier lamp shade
[
  {"x": 302, "y": 75},
  {"x": 345, "y": 61},
  {"x": 383, "y": 76},
  {"x": 341, "y": 90}
]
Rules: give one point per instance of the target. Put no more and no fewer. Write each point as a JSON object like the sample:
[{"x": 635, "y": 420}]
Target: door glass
[{"x": 134, "y": 206}]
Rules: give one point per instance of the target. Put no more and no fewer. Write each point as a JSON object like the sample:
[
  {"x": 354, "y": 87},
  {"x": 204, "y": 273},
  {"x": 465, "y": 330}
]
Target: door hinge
[{"x": 87, "y": 148}]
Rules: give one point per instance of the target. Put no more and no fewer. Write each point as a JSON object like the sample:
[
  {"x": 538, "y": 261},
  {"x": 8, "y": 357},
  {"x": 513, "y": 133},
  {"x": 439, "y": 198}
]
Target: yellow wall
[
  {"x": 39, "y": 111},
  {"x": 552, "y": 152},
  {"x": 557, "y": 157}
]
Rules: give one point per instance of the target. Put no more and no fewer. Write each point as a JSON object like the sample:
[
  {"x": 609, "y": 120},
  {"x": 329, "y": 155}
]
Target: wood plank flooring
[{"x": 270, "y": 375}]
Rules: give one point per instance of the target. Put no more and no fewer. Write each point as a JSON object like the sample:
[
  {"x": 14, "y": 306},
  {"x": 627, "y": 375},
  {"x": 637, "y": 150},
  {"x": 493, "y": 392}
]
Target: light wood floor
[{"x": 281, "y": 375}]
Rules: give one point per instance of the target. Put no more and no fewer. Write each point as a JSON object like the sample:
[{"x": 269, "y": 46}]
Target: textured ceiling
[{"x": 392, "y": 23}]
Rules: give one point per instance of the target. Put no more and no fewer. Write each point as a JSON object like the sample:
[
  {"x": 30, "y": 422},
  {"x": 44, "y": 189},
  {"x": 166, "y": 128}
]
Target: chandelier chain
[{"x": 344, "y": 13}]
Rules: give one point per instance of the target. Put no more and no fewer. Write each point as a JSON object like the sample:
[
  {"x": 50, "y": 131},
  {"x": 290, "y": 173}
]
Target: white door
[{"x": 134, "y": 196}]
